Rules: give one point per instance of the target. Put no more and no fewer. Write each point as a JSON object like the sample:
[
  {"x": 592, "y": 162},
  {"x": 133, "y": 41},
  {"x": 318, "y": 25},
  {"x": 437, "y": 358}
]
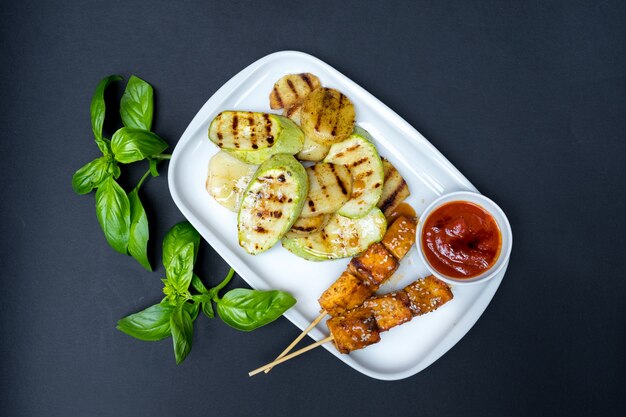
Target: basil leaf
[
  {"x": 181, "y": 327},
  {"x": 139, "y": 233},
  {"x": 177, "y": 237},
  {"x": 90, "y": 176},
  {"x": 197, "y": 284},
  {"x": 137, "y": 104},
  {"x": 98, "y": 110},
  {"x": 131, "y": 145},
  {"x": 113, "y": 211},
  {"x": 207, "y": 309},
  {"x": 193, "y": 309},
  {"x": 180, "y": 269},
  {"x": 247, "y": 310},
  {"x": 151, "y": 324}
]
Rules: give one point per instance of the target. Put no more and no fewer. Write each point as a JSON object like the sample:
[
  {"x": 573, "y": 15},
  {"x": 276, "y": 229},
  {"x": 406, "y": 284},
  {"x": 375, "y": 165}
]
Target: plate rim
[{"x": 461, "y": 327}]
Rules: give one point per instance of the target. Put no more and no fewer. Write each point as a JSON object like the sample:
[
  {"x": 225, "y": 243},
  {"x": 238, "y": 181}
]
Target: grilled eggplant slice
[
  {"x": 395, "y": 189},
  {"x": 311, "y": 150},
  {"x": 342, "y": 237},
  {"x": 292, "y": 89},
  {"x": 360, "y": 156},
  {"x": 271, "y": 203},
  {"x": 254, "y": 137},
  {"x": 227, "y": 179},
  {"x": 330, "y": 186},
  {"x": 307, "y": 225},
  {"x": 327, "y": 116}
]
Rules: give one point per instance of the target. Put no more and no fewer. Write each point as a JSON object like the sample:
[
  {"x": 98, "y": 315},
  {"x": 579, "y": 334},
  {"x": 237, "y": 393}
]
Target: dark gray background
[{"x": 527, "y": 98}]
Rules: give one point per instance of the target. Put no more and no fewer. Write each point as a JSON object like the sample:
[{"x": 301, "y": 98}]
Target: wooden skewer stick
[
  {"x": 299, "y": 338},
  {"x": 290, "y": 356}
]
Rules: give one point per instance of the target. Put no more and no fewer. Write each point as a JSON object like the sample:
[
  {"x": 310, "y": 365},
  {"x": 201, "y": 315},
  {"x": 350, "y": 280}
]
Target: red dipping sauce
[{"x": 461, "y": 239}]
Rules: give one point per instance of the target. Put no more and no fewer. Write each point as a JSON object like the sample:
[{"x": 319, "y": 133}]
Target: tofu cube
[
  {"x": 427, "y": 295},
  {"x": 374, "y": 266},
  {"x": 400, "y": 236},
  {"x": 355, "y": 330},
  {"x": 390, "y": 310},
  {"x": 346, "y": 293}
]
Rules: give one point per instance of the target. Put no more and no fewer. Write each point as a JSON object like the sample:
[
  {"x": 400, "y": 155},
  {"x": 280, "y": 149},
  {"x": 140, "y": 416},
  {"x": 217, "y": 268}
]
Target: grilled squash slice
[
  {"x": 311, "y": 150},
  {"x": 395, "y": 189},
  {"x": 360, "y": 156},
  {"x": 327, "y": 116},
  {"x": 271, "y": 203},
  {"x": 342, "y": 237},
  {"x": 227, "y": 179},
  {"x": 254, "y": 137},
  {"x": 292, "y": 89},
  {"x": 330, "y": 186},
  {"x": 307, "y": 225}
]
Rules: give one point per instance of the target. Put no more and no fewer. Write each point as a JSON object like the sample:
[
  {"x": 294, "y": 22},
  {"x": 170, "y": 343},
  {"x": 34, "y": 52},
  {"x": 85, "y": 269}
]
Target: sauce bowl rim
[{"x": 490, "y": 207}]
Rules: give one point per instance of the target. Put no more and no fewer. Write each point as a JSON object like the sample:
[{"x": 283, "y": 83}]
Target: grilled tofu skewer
[
  {"x": 364, "y": 274},
  {"x": 361, "y": 327}
]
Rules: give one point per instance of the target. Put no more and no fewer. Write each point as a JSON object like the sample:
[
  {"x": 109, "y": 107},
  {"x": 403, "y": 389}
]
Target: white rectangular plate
[{"x": 406, "y": 349}]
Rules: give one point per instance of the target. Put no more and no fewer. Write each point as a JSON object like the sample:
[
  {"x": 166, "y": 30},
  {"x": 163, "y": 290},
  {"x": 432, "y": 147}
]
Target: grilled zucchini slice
[
  {"x": 359, "y": 155},
  {"x": 395, "y": 189},
  {"x": 227, "y": 179},
  {"x": 307, "y": 225},
  {"x": 245, "y": 131},
  {"x": 342, "y": 237},
  {"x": 271, "y": 203},
  {"x": 327, "y": 116},
  {"x": 330, "y": 187},
  {"x": 254, "y": 137},
  {"x": 311, "y": 150},
  {"x": 292, "y": 89}
]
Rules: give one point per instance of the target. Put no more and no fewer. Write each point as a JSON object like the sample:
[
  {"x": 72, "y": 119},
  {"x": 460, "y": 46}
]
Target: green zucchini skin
[
  {"x": 271, "y": 203},
  {"x": 359, "y": 155},
  {"x": 281, "y": 136},
  {"x": 342, "y": 237}
]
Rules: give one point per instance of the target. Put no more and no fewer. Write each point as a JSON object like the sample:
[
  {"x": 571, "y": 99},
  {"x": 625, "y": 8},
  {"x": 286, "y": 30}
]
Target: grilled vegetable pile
[{"x": 333, "y": 208}]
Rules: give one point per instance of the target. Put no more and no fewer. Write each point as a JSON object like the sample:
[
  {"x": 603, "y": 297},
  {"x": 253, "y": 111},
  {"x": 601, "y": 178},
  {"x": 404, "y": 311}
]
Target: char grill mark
[
  {"x": 260, "y": 229},
  {"x": 253, "y": 137},
  {"x": 390, "y": 200},
  {"x": 292, "y": 88},
  {"x": 304, "y": 229},
  {"x": 358, "y": 162},
  {"x": 307, "y": 80},
  {"x": 344, "y": 190},
  {"x": 278, "y": 97},
  {"x": 268, "y": 129},
  {"x": 234, "y": 129},
  {"x": 235, "y": 123},
  {"x": 341, "y": 98}
]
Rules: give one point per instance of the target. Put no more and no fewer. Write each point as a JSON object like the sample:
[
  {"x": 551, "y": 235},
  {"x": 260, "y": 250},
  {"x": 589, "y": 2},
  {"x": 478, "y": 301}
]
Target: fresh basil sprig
[
  {"x": 122, "y": 216},
  {"x": 242, "y": 309}
]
